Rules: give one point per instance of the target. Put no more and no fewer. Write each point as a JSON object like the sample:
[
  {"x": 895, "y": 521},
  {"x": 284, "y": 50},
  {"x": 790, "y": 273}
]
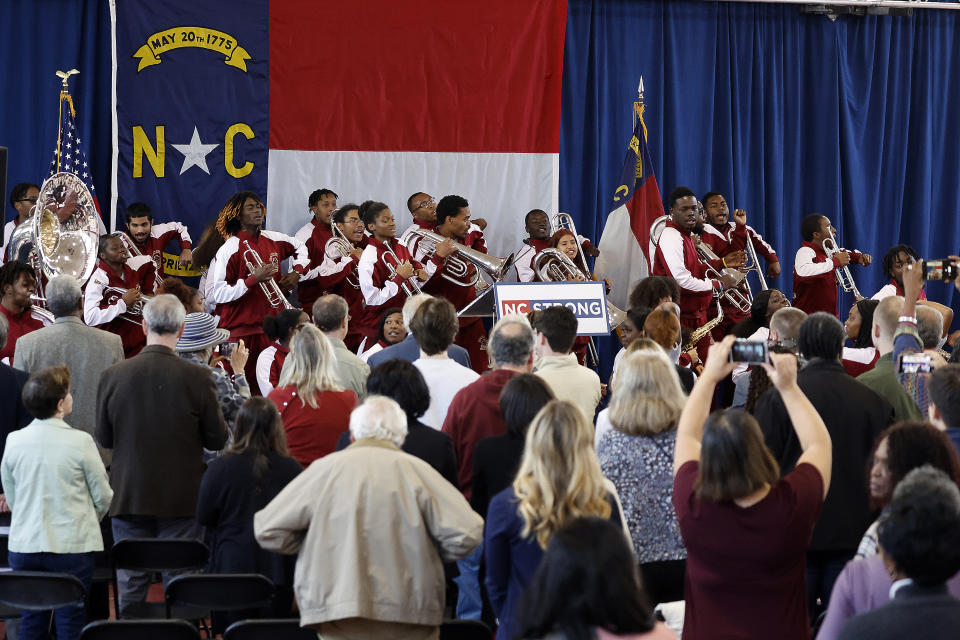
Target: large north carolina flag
[
  {"x": 379, "y": 100},
  {"x": 636, "y": 204},
  {"x": 375, "y": 99}
]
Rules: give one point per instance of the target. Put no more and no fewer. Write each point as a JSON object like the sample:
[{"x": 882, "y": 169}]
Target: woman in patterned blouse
[{"x": 637, "y": 456}]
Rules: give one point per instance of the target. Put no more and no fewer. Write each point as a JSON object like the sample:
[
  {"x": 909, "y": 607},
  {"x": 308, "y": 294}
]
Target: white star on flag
[{"x": 195, "y": 153}]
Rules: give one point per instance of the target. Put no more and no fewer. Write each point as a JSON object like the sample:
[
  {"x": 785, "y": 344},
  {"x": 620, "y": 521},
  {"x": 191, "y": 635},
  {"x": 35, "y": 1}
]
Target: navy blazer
[
  {"x": 409, "y": 350},
  {"x": 930, "y": 613}
]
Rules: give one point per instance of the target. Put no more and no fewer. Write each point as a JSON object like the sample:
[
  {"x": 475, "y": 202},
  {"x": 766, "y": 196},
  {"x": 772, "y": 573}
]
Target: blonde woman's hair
[
  {"x": 559, "y": 478},
  {"x": 647, "y": 396},
  {"x": 311, "y": 368}
]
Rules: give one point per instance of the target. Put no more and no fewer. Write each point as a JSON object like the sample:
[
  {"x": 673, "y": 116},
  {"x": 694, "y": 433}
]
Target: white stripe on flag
[
  {"x": 501, "y": 187},
  {"x": 621, "y": 259}
]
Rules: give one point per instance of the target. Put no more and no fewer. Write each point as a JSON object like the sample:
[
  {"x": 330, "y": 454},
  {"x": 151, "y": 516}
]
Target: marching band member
[
  {"x": 676, "y": 256},
  {"x": 105, "y": 306},
  {"x": 537, "y": 224},
  {"x": 392, "y": 331},
  {"x": 894, "y": 262},
  {"x": 151, "y": 239},
  {"x": 17, "y": 285},
  {"x": 314, "y": 235},
  {"x": 280, "y": 328},
  {"x": 423, "y": 208},
  {"x": 453, "y": 222},
  {"x": 736, "y": 231},
  {"x": 386, "y": 286},
  {"x": 338, "y": 272},
  {"x": 236, "y": 283},
  {"x": 22, "y": 198},
  {"x": 814, "y": 278},
  {"x": 727, "y": 240}
]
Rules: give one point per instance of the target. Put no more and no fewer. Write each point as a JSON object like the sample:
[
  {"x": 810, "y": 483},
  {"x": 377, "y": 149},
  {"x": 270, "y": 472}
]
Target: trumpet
[
  {"x": 135, "y": 252},
  {"x": 270, "y": 288},
  {"x": 844, "y": 277},
  {"x": 457, "y": 266},
  {"x": 734, "y": 296},
  {"x": 410, "y": 286},
  {"x": 339, "y": 247}
]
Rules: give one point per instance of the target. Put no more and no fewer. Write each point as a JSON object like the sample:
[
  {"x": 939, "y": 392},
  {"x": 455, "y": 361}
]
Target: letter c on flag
[{"x": 232, "y": 169}]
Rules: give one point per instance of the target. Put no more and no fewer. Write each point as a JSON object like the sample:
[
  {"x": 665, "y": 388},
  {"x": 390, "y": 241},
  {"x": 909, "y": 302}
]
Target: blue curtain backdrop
[
  {"x": 37, "y": 38},
  {"x": 786, "y": 114}
]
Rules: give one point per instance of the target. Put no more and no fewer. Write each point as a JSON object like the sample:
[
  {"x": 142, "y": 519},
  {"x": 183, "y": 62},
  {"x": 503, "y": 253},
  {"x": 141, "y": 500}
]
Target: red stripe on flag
[
  {"x": 644, "y": 207},
  {"x": 421, "y": 75}
]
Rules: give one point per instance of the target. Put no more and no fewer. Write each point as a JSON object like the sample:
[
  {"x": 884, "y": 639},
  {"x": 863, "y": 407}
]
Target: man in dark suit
[
  {"x": 855, "y": 415},
  {"x": 86, "y": 351},
  {"x": 408, "y": 349},
  {"x": 919, "y": 538},
  {"x": 157, "y": 412}
]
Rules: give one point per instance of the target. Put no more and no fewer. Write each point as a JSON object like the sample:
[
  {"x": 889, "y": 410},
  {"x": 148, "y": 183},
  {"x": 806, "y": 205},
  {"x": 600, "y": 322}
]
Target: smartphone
[
  {"x": 915, "y": 363},
  {"x": 945, "y": 270},
  {"x": 226, "y": 349},
  {"x": 749, "y": 351}
]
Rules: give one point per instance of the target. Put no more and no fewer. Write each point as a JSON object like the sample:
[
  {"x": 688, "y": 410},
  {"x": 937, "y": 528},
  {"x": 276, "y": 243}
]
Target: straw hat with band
[{"x": 200, "y": 332}]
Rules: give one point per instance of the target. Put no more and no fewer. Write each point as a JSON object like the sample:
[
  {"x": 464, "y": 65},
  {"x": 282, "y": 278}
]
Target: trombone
[
  {"x": 843, "y": 274},
  {"x": 565, "y": 221},
  {"x": 270, "y": 288},
  {"x": 410, "y": 286},
  {"x": 754, "y": 264},
  {"x": 135, "y": 252}
]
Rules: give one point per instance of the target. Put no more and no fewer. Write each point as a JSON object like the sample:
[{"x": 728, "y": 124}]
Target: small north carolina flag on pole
[{"x": 636, "y": 204}]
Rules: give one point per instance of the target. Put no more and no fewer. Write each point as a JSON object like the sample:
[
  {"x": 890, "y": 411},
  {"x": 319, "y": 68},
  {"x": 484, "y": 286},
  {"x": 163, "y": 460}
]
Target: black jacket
[
  {"x": 432, "y": 446},
  {"x": 930, "y": 613},
  {"x": 854, "y": 415}
]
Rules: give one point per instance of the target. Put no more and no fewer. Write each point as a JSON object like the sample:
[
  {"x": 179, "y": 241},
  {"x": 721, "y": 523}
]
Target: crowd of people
[{"x": 317, "y": 411}]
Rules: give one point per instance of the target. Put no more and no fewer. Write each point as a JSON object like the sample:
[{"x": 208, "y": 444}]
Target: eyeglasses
[
  {"x": 425, "y": 203},
  {"x": 30, "y": 200}
]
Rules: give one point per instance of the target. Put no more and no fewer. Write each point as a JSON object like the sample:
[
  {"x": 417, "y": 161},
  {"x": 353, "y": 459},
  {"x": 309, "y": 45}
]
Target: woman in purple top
[{"x": 747, "y": 530}]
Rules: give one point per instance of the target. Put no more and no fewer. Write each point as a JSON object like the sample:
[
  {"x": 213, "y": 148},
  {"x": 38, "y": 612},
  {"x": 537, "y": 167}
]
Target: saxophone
[{"x": 700, "y": 333}]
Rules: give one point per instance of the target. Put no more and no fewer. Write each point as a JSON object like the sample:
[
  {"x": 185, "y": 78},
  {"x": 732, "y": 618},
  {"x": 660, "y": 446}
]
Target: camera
[
  {"x": 915, "y": 363},
  {"x": 945, "y": 270},
  {"x": 227, "y": 348},
  {"x": 749, "y": 351}
]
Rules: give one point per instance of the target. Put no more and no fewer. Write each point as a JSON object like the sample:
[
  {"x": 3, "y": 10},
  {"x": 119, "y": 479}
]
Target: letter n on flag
[{"x": 626, "y": 234}]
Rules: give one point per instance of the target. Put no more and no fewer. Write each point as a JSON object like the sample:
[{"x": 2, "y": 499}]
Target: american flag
[{"x": 69, "y": 155}]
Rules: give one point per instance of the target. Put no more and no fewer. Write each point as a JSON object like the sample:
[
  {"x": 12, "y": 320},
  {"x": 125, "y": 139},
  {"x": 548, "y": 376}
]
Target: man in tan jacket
[{"x": 372, "y": 526}]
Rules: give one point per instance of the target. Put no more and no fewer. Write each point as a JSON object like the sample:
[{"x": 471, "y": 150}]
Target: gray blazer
[{"x": 86, "y": 351}]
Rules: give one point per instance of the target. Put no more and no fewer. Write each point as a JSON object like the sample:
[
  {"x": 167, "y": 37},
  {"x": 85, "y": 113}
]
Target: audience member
[
  {"x": 587, "y": 587},
  {"x": 855, "y": 415},
  {"x": 331, "y": 315},
  {"x": 899, "y": 450},
  {"x": 559, "y": 480},
  {"x": 407, "y": 348},
  {"x": 864, "y": 584},
  {"x": 434, "y": 327},
  {"x": 920, "y": 542},
  {"x": 200, "y": 336},
  {"x": 402, "y": 382},
  {"x": 943, "y": 407},
  {"x": 651, "y": 291},
  {"x": 663, "y": 327},
  {"x": 882, "y": 378},
  {"x": 238, "y": 484},
  {"x": 280, "y": 328},
  {"x": 475, "y": 413},
  {"x": 756, "y": 326},
  {"x": 858, "y": 328},
  {"x": 496, "y": 459},
  {"x": 157, "y": 412},
  {"x": 188, "y": 296},
  {"x": 630, "y": 330},
  {"x": 86, "y": 351},
  {"x": 315, "y": 409},
  {"x": 745, "y": 528},
  {"x": 637, "y": 456},
  {"x": 17, "y": 286},
  {"x": 555, "y": 329},
  {"x": 57, "y": 488},
  {"x": 390, "y": 332},
  {"x": 371, "y": 527},
  {"x": 784, "y": 329},
  {"x": 13, "y": 414}
]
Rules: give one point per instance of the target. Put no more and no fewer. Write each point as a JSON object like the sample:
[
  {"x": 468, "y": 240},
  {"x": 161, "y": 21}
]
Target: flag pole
[{"x": 64, "y": 95}]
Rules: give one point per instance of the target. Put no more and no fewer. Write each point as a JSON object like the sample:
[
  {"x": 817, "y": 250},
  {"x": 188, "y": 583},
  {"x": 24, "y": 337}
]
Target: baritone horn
[
  {"x": 843, "y": 274},
  {"x": 270, "y": 288},
  {"x": 457, "y": 266},
  {"x": 339, "y": 247},
  {"x": 410, "y": 286}
]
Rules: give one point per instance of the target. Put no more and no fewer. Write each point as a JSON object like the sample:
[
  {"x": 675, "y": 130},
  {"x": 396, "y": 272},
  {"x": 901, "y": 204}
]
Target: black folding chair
[
  {"x": 219, "y": 592},
  {"x": 157, "y": 555},
  {"x": 268, "y": 630},
  {"x": 40, "y": 591},
  {"x": 140, "y": 630},
  {"x": 464, "y": 630}
]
